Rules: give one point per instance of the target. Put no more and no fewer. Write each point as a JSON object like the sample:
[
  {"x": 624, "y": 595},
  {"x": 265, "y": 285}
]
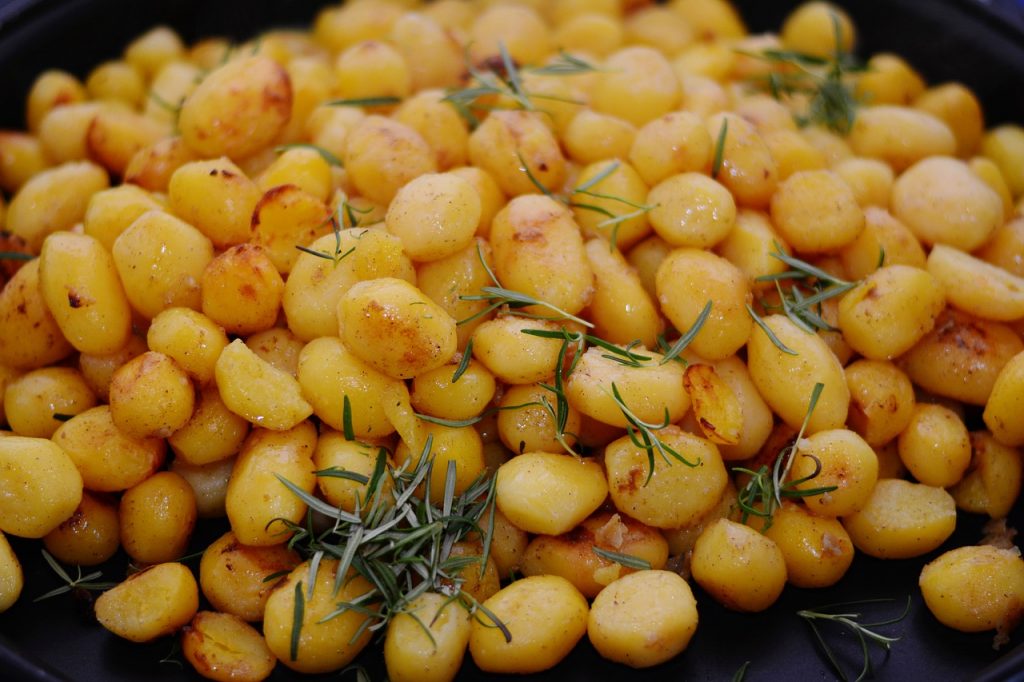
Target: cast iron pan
[{"x": 58, "y": 641}]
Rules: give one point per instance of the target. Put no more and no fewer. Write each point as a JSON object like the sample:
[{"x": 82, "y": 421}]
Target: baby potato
[
  {"x": 961, "y": 357},
  {"x": 458, "y": 448},
  {"x": 675, "y": 493},
  {"x": 191, "y": 339},
  {"x": 209, "y": 482},
  {"x": 687, "y": 280},
  {"x": 157, "y": 517},
  {"x": 749, "y": 246},
  {"x": 839, "y": 458},
  {"x": 591, "y": 137},
  {"x": 899, "y": 135},
  {"x": 90, "y": 536},
  {"x": 111, "y": 211},
  {"x": 52, "y": 200},
  {"x": 526, "y": 425},
  {"x": 676, "y": 142},
  {"x": 755, "y": 414},
  {"x": 511, "y": 143},
  {"x": 572, "y": 554},
  {"x": 543, "y": 492},
  {"x": 748, "y": 169},
  {"x": 943, "y": 202},
  {"x": 151, "y": 603},
  {"x": 638, "y": 85},
  {"x": 12, "y": 580},
  {"x": 513, "y": 356},
  {"x": 216, "y": 197},
  {"x": 302, "y": 167},
  {"x": 787, "y": 381},
  {"x": 612, "y": 187},
  {"x": 815, "y": 211},
  {"x": 439, "y": 394},
  {"x": 285, "y": 217},
  {"x": 1004, "y": 403},
  {"x": 153, "y": 49},
  {"x": 233, "y": 576},
  {"x": 382, "y": 155},
  {"x": 870, "y": 180},
  {"x": 438, "y": 123},
  {"x": 315, "y": 284},
  {"x": 392, "y": 326},
  {"x": 691, "y": 210},
  {"x": 115, "y": 135},
  {"x": 652, "y": 391},
  {"x": 39, "y": 486},
  {"x": 161, "y": 260},
  {"x": 890, "y": 311},
  {"x": 643, "y": 619},
  {"x": 225, "y": 648},
  {"x": 83, "y": 292},
  {"x": 538, "y": 251},
  {"x": 108, "y": 459},
  {"x": 935, "y": 446},
  {"x": 21, "y": 157},
  {"x": 435, "y": 215},
  {"x": 426, "y": 642},
  {"x": 716, "y": 409},
  {"x": 29, "y": 335},
  {"x": 902, "y": 519},
  {"x": 334, "y": 451},
  {"x": 993, "y": 480},
  {"x": 33, "y": 401},
  {"x": 817, "y": 549},
  {"x": 237, "y": 109},
  {"x": 152, "y": 167},
  {"x": 546, "y": 617},
  {"x": 242, "y": 290},
  {"x": 739, "y": 567},
  {"x": 881, "y": 400},
  {"x": 151, "y": 396},
  {"x": 882, "y": 234},
  {"x": 257, "y": 499},
  {"x": 977, "y": 287},
  {"x": 322, "y": 645},
  {"x": 255, "y": 389},
  {"x": 621, "y": 309},
  {"x": 975, "y": 588},
  {"x": 117, "y": 80}
]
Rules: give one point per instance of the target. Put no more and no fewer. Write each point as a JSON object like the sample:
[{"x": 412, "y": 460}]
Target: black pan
[{"x": 979, "y": 44}]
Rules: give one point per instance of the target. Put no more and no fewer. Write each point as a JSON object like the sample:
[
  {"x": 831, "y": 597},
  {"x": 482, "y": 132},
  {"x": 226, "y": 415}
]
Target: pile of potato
[{"x": 168, "y": 354}]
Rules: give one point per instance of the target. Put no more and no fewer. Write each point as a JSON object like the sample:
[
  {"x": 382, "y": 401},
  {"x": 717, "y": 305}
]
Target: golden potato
[
  {"x": 976, "y": 588},
  {"x": 243, "y": 273},
  {"x": 191, "y": 339},
  {"x": 151, "y": 396},
  {"x": 992, "y": 482},
  {"x": 157, "y": 517},
  {"x": 233, "y": 576},
  {"x": 543, "y": 492},
  {"x": 741, "y": 568},
  {"x": 151, "y": 603},
  {"x": 41, "y": 485},
  {"x": 427, "y": 642},
  {"x": 225, "y": 648},
  {"x": 29, "y": 334},
  {"x": 214, "y": 196},
  {"x": 902, "y": 519},
  {"x": 90, "y": 536},
  {"x": 36, "y": 402},
  {"x": 12, "y": 580}
]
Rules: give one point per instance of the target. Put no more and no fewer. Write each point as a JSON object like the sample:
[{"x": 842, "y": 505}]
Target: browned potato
[{"x": 225, "y": 648}]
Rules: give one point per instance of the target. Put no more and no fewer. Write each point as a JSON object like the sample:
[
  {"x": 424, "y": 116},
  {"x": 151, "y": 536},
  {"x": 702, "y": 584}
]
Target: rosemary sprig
[
  {"x": 627, "y": 560},
  {"x": 762, "y": 495},
  {"x": 335, "y": 220},
  {"x": 79, "y": 582},
  {"x": 808, "y": 288},
  {"x": 467, "y": 355},
  {"x": 382, "y": 101},
  {"x": 643, "y": 435},
  {"x": 397, "y": 539},
  {"x": 15, "y": 255},
  {"x": 498, "y": 296},
  {"x": 298, "y": 613},
  {"x": 716, "y": 163},
  {"x": 741, "y": 672},
  {"x": 564, "y": 64},
  {"x": 327, "y": 156},
  {"x": 622, "y": 355},
  {"x": 832, "y": 102},
  {"x": 672, "y": 352},
  {"x": 768, "y": 331},
  {"x": 865, "y": 632}
]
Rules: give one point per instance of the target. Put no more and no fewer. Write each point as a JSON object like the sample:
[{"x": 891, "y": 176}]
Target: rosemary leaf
[
  {"x": 627, "y": 560},
  {"x": 15, "y": 255},
  {"x": 298, "y": 614},
  {"x": 716, "y": 164},
  {"x": 327, "y": 156},
  {"x": 364, "y": 102},
  {"x": 346, "y": 419},
  {"x": 467, "y": 356},
  {"x": 768, "y": 331},
  {"x": 680, "y": 345}
]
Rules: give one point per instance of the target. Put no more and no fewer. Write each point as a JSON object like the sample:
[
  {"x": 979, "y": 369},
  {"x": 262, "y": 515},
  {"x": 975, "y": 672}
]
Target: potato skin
[
  {"x": 29, "y": 335},
  {"x": 225, "y": 648},
  {"x": 12, "y": 580},
  {"x": 975, "y": 588},
  {"x": 412, "y": 655},
  {"x": 41, "y": 486},
  {"x": 150, "y": 604}
]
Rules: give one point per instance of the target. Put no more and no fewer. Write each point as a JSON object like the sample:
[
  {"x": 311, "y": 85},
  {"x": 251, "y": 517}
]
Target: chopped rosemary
[
  {"x": 672, "y": 352},
  {"x": 15, "y": 255},
  {"x": 643, "y": 435},
  {"x": 627, "y": 560},
  {"x": 326, "y": 155},
  {"x": 865, "y": 632},
  {"x": 79, "y": 582},
  {"x": 716, "y": 163},
  {"x": 467, "y": 356},
  {"x": 499, "y": 297},
  {"x": 762, "y": 495},
  {"x": 397, "y": 538},
  {"x": 831, "y": 102},
  {"x": 364, "y": 102},
  {"x": 808, "y": 288},
  {"x": 768, "y": 331}
]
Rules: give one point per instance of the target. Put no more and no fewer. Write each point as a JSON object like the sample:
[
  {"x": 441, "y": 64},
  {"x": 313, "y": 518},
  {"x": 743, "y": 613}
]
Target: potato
[
  {"x": 53, "y": 200},
  {"x": 460, "y": 447},
  {"x": 540, "y": 637},
  {"x": 116, "y": 135},
  {"x": 243, "y": 273},
  {"x": 977, "y": 287},
  {"x": 98, "y": 370},
  {"x": 513, "y": 356},
  {"x": 741, "y": 568},
  {"x": 573, "y": 556},
  {"x": 427, "y": 642},
  {"x": 787, "y": 381},
  {"x": 716, "y": 409},
  {"x": 157, "y": 517},
  {"x": 237, "y": 109},
  {"x": 961, "y": 357},
  {"x": 1003, "y": 405},
  {"x": 302, "y": 167},
  {"x": 382, "y": 155},
  {"x": 621, "y": 309},
  {"x": 749, "y": 246},
  {"x": 890, "y": 310},
  {"x": 254, "y": 389},
  {"x": 12, "y": 580},
  {"x": 108, "y": 459},
  {"x": 321, "y": 645},
  {"x": 41, "y": 486},
  {"x": 899, "y": 135},
  {"x": 333, "y": 451},
  {"x": 817, "y": 550},
  {"x": 152, "y": 167},
  {"x": 542, "y": 492},
  {"x": 111, "y": 211},
  {"x": 151, "y": 603},
  {"x": 748, "y": 169},
  {"x": 505, "y": 137},
  {"x": 440, "y": 394},
  {"x": 881, "y": 400},
  {"x": 29, "y": 334},
  {"x": 392, "y": 326},
  {"x": 526, "y": 424},
  {"x": 209, "y": 482},
  {"x": 35, "y": 402},
  {"x": 674, "y": 493},
  {"x": 258, "y": 502},
  {"x": 233, "y": 575},
  {"x": 151, "y": 396},
  {"x": 84, "y": 294},
  {"x": 439, "y": 124},
  {"x": 21, "y": 157},
  {"x": 815, "y": 211},
  {"x": 191, "y": 339},
  {"x": 284, "y": 218},
  {"x": 935, "y": 446},
  {"x": 216, "y": 197},
  {"x": 90, "y": 536},
  {"x": 992, "y": 482},
  {"x": 223, "y": 647},
  {"x": 435, "y": 215},
  {"x": 973, "y": 589},
  {"x": 902, "y": 519},
  {"x": 846, "y": 462}
]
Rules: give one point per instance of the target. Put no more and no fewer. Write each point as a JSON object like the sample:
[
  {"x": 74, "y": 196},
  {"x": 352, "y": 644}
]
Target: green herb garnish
[
  {"x": 15, "y": 255},
  {"x": 627, "y": 560},
  {"x": 327, "y": 156},
  {"x": 643, "y": 435},
  {"x": 850, "y": 621},
  {"x": 716, "y": 163},
  {"x": 79, "y": 582},
  {"x": 806, "y": 288},
  {"x": 382, "y": 101}
]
